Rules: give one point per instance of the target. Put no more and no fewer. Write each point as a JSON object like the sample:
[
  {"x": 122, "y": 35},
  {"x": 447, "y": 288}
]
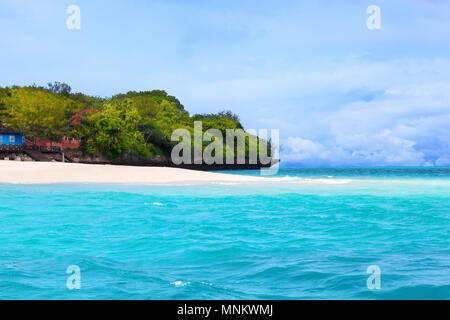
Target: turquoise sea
[{"x": 311, "y": 236}]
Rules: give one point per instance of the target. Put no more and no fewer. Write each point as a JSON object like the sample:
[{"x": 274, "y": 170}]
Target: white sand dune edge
[{"x": 56, "y": 172}]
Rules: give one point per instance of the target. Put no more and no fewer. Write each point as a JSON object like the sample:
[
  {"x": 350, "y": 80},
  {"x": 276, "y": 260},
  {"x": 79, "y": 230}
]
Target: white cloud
[
  {"x": 339, "y": 94},
  {"x": 304, "y": 149},
  {"x": 381, "y": 149},
  {"x": 404, "y": 121},
  {"x": 443, "y": 161}
]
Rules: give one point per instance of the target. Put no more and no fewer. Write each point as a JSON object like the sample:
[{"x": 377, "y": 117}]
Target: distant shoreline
[{"x": 18, "y": 172}]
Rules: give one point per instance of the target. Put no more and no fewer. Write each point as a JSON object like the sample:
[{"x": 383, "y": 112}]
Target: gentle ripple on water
[{"x": 276, "y": 241}]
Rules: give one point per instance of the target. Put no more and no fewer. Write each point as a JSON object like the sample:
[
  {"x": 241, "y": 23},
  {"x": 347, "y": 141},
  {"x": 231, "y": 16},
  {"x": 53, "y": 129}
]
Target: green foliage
[
  {"x": 135, "y": 124},
  {"x": 113, "y": 132},
  {"x": 157, "y": 96},
  {"x": 5, "y": 93},
  {"x": 37, "y": 112},
  {"x": 59, "y": 88},
  {"x": 160, "y": 115},
  {"x": 222, "y": 120},
  {"x": 88, "y": 102}
]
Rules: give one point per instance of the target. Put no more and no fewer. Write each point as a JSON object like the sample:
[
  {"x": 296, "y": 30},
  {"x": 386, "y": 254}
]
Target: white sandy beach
[{"x": 57, "y": 172}]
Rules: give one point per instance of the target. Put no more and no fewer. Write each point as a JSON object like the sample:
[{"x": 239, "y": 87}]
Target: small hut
[{"x": 11, "y": 140}]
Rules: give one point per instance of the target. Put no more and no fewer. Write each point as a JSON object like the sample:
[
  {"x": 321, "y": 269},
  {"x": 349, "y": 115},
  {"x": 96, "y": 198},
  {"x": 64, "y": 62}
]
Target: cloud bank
[
  {"x": 339, "y": 93},
  {"x": 398, "y": 113}
]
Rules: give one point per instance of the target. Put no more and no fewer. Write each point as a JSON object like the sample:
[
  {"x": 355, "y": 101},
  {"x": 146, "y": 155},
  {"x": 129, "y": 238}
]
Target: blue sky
[{"x": 339, "y": 93}]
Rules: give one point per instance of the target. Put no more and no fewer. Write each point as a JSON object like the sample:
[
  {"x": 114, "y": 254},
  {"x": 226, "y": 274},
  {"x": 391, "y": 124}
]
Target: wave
[
  {"x": 180, "y": 283},
  {"x": 314, "y": 180}
]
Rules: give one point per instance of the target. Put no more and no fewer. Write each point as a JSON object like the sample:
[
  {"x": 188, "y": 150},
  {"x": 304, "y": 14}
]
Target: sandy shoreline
[{"x": 57, "y": 172}]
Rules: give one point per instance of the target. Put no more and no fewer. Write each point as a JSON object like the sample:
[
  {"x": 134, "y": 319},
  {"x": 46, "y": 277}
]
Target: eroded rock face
[
  {"x": 79, "y": 157},
  {"x": 157, "y": 161},
  {"x": 157, "y": 158},
  {"x": 15, "y": 156}
]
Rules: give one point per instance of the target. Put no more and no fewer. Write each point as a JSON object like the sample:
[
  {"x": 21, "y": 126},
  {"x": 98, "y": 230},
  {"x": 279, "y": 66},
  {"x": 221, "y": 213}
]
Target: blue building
[{"x": 11, "y": 139}]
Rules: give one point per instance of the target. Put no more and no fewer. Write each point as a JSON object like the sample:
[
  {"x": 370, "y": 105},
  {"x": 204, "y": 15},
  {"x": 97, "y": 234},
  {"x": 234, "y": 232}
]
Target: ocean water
[{"x": 311, "y": 236}]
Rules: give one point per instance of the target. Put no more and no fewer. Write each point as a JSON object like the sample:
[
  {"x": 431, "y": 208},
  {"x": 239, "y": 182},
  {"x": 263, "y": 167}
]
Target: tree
[
  {"x": 5, "y": 93},
  {"x": 59, "y": 88},
  {"x": 160, "y": 115},
  {"x": 135, "y": 124},
  {"x": 113, "y": 132},
  {"x": 38, "y": 113}
]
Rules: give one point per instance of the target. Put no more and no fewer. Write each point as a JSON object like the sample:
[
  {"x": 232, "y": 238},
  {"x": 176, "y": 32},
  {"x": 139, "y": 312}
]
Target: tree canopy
[
  {"x": 114, "y": 131},
  {"x": 135, "y": 124}
]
